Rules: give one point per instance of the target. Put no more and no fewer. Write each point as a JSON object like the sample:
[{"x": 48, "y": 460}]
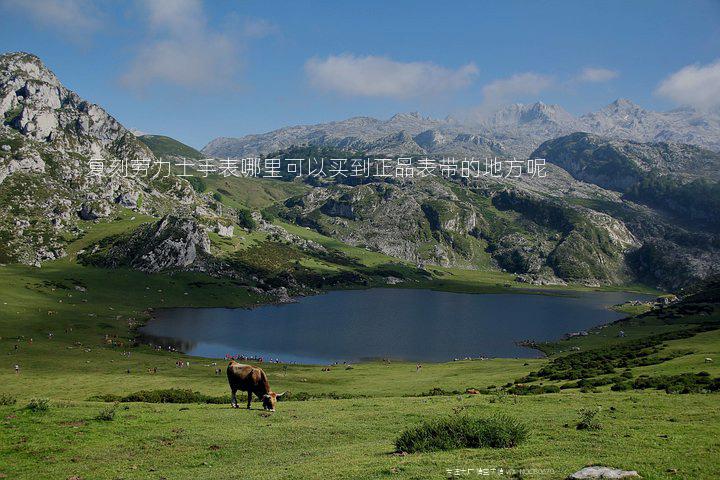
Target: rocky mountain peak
[
  {"x": 429, "y": 139},
  {"x": 49, "y": 136},
  {"x": 34, "y": 102},
  {"x": 518, "y": 114},
  {"x": 406, "y": 115},
  {"x": 27, "y": 65}
]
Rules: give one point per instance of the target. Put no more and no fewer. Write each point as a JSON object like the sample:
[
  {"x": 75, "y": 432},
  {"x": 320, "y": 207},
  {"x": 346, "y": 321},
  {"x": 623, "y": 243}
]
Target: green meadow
[{"x": 340, "y": 423}]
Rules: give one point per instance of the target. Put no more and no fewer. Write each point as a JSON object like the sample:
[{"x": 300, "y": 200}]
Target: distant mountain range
[
  {"x": 609, "y": 211},
  {"x": 514, "y": 130}
]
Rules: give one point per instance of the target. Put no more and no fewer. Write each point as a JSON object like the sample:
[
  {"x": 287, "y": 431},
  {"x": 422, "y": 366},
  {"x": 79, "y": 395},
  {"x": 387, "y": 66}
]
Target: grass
[
  {"x": 252, "y": 193},
  {"x": 355, "y": 438},
  {"x": 462, "y": 431},
  {"x": 340, "y": 438},
  {"x": 163, "y": 146},
  {"x": 349, "y": 425}
]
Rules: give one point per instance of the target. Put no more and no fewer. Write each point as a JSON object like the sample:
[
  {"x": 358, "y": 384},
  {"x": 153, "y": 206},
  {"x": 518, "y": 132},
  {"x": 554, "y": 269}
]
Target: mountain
[
  {"x": 608, "y": 211},
  {"x": 678, "y": 186},
  {"x": 52, "y": 142},
  {"x": 357, "y": 133},
  {"x": 620, "y": 164},
  {"x": 676, "y": 178},
  {"x": 163, "y": 147},
  {"x": 69, "y": 187},
  {"x": 513, "y": 130},
  {"x": 623, "y": 119}
]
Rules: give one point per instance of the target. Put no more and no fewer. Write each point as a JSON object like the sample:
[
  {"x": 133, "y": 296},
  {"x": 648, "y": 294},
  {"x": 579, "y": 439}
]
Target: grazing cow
[
  {"x": 708, "y": 360},
  {"x": 251, "y": 380}
]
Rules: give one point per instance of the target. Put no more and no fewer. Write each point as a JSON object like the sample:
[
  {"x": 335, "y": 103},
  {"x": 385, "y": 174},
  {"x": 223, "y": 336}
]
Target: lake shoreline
[{"x": 304, "y": 319}]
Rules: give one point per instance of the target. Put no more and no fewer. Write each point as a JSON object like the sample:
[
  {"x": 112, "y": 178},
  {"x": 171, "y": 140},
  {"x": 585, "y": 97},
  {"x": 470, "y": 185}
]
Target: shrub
[
  {"x": 107, "y": 414},
  {"x": 197, "y": 184},
  {"x": 588, "y": 419},
  {"x": 604, "y": 361},
  {"x": 533, "y": 389},
  {"x": 439, "y": 392},
  {"x": 172, "y": 395},
  {"x": 621, "y": 387},
  {"x": 268, "y": 216},
  {"x": 682, "y": 383},
  {"x": 245, "y": 219},
  {"x": 461, "y": 431},
  {"x": 7, "y": 399},
  {"x": 38, "y": 405}
]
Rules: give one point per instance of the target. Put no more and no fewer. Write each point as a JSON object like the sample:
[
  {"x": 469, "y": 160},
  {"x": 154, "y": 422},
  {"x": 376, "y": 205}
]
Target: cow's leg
[
  {"x": 233, "y": 401},
  {"x": 249, "y": 399}
]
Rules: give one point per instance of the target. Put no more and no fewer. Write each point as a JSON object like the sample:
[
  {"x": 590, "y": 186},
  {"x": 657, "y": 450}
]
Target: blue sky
[{"x": 195, "y": 70}]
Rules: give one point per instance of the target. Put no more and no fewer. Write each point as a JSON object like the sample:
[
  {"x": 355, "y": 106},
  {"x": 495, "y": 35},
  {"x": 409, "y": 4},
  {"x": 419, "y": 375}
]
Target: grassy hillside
[{"x": 163, "y": 146}]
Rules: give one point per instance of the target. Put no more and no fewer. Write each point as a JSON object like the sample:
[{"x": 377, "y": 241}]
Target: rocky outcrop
[
  {"x": 173, "y": 243},
  {"x": 225, "y": 230},
  {"x": 51, "y": 142}
]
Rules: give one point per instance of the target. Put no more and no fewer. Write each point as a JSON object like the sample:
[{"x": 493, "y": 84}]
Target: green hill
[{"x": 163, "y": 146}]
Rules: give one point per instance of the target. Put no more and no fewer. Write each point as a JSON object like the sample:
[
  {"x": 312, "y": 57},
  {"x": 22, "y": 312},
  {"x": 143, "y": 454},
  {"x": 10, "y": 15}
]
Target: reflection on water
[{"x": 416, "y": 325}]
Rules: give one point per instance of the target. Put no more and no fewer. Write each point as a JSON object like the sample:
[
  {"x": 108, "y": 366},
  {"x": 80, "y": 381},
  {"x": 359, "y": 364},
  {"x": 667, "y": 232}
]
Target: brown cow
[{"x": 251, "y": 380}]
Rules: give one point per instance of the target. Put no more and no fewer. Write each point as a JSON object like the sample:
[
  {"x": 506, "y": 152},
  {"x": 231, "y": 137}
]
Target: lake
[{"x": 414, "y": 325}]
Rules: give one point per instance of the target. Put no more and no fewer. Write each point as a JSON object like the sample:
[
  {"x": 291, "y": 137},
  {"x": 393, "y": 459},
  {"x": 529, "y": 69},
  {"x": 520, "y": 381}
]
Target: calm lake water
[{"x": 415, "y": 325}]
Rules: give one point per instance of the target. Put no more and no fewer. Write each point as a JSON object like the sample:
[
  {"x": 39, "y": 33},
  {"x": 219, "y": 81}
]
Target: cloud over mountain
[
  {"x": 373, "y": 76},
  {"x": 502, "y": 90},
  {"x": 695, "y": 85}
]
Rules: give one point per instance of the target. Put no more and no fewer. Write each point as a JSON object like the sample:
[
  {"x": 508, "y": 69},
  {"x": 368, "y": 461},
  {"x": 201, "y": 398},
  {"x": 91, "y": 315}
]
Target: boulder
[
  {"x": 225, "y": 230},
  {"x": 129, "y": 199},
  {"x": 93, "y": 212},
  {"x": 597, "y": 471}
]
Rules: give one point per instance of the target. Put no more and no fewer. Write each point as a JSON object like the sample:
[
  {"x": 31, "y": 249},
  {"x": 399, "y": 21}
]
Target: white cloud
[
  {"x": 182, "y": 49},
  {"x": 372, "y": 76},
  {"x": 74, "y": 19},
  {"x": 521, "y": 84},
  {"x": 591, "y": 74},
  {"x": 695, "y": 85}
]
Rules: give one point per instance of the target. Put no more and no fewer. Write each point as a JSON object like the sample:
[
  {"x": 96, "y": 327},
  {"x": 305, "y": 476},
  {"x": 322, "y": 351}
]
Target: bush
[
  {"x": 439, "y": 392},
  {"x": 107, "y": 414},
  {"x": 38, "y": 405},
  {"x": 172, "y": 395},
  {"x": 245, "y": 219},
  {"x": 462, "y": 432},
  {"x": 682, "y": 383},
  {"x": 197, "y": 184},
  {"x": 621, "y": 387},
  {"x": 268, "y": 216},
  {"x": 533, "y": 389},
  {"x": 7, "y": 399},
  {"x": 588, "y": 419}
]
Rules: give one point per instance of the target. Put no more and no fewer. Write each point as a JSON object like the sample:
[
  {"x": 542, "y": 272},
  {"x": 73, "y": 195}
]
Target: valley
[{"x": 87, "y": 255}]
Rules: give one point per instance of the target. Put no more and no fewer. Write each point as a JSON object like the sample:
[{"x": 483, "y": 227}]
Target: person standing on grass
[{"x": 17, "y": 369}]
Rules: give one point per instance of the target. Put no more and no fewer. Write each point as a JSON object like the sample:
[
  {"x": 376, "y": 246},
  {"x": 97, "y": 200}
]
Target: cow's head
[{"x": 270, "y": 400}]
